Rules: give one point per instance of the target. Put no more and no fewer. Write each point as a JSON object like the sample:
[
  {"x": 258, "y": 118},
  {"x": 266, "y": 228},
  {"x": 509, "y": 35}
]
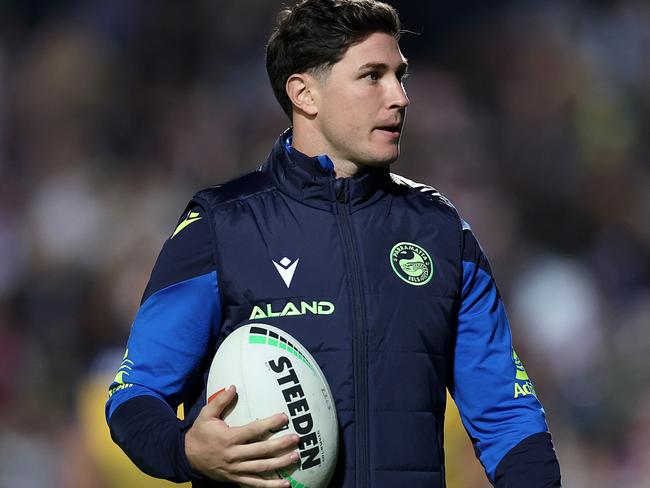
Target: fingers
[
  {"x": 236, "y": 453},
  {"x": 257, "y": 482},
  {"x": 258, "y": 428},
  {"x": 219, "y": 401},
  {"x": 266, "y": 449},
  {"x": 266, "y": 465}
]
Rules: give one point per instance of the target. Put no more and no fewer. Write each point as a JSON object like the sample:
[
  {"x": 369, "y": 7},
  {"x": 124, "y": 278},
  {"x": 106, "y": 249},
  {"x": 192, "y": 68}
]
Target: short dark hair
[{"x": 315, "y": 34}]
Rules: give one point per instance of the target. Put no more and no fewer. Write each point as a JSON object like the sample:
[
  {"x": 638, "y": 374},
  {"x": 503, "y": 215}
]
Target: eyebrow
[{"x": 383, "y": 66}]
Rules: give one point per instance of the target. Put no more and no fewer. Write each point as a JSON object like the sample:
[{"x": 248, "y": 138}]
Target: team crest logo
[{"x": 411, "y": 263}]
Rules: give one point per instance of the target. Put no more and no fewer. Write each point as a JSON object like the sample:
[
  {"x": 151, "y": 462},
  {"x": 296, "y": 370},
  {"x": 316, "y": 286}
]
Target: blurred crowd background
[{"x": 532, "y": 117}]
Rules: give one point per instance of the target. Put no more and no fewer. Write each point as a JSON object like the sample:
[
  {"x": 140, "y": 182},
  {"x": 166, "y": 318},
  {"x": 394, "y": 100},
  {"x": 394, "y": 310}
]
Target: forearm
[
  {"x": 531, "y": 463},
  {"x": 152, "y": 437}
]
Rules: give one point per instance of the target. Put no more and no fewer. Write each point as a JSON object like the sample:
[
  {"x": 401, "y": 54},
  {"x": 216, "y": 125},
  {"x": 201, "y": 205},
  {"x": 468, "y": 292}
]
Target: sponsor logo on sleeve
[
  {"x": 122, "y": 371},
  {"x": 523, "y": 385}
]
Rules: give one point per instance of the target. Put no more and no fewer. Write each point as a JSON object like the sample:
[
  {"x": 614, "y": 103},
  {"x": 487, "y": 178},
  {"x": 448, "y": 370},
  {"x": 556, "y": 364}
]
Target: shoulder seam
[
  {"x": 426, "y": 191},
  {"x": 243, "y": 198},
  {"x": 267, "y": 187}
]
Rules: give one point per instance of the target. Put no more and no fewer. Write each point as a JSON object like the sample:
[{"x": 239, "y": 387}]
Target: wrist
[{"x": 189, "y": 456}]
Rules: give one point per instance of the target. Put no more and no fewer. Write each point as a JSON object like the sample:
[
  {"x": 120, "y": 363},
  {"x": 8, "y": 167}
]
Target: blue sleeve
[
  {"x": 172, "y": 335},
  {"x": 495, "y": 397},
  {"x": 177, "y": 321}
]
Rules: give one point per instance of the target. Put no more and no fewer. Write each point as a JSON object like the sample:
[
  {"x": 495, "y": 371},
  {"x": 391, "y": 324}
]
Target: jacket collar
[{"x": 312, "y": 180}]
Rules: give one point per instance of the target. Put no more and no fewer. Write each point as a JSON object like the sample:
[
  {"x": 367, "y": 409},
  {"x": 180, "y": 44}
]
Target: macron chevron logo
[{"x": 286, "y": 267}]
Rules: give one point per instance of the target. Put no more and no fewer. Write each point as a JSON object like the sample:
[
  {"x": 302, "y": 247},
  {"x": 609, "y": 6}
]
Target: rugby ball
[{"x": 274, "y": 373}]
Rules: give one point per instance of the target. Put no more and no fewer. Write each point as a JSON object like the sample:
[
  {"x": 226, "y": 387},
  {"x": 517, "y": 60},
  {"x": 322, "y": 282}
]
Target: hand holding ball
[{"x": 274, "y": 373}]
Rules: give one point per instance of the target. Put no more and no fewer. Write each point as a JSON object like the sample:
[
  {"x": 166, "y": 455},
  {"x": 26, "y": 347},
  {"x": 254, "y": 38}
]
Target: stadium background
[{"x": 532, "y": 117}]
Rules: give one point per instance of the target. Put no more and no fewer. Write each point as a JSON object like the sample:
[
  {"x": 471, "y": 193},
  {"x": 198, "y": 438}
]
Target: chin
[
  {"x": 387, "y": 157},
  {"x": 377, "y": 157},
  {"x": 381, "y": 162}
]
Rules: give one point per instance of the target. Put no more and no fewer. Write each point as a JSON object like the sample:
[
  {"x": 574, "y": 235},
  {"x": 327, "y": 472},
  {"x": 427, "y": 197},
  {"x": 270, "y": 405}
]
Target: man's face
[{"x": 362, "y": 103}]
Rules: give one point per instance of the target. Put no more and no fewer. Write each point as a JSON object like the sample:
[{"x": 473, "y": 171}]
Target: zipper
[{"x": 360, "y": 342}]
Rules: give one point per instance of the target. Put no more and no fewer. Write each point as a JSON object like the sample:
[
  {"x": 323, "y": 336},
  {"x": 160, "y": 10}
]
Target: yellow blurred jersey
[
  {"x": 115, "y": 469},
  {"x": 463, "y": 470}
]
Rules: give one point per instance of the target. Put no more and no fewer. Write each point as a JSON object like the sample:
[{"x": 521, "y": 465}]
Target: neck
[{"x": 311, "y": 145}]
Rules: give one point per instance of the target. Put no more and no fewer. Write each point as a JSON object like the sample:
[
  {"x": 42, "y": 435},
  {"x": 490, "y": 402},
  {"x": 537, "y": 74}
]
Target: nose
[{"x": 398, "y": 98}]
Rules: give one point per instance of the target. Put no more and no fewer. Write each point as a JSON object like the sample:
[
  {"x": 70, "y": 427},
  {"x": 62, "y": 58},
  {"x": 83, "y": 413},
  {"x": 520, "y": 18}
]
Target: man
[{"x": 415, "y": 308}]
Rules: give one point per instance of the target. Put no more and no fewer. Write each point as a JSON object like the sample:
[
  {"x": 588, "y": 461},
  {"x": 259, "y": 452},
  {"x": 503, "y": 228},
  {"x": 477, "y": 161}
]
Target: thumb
[{"x": 218, "y": 401}]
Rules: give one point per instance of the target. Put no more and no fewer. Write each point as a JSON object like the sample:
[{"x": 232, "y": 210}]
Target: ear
[{"x": 302, "y": 90}]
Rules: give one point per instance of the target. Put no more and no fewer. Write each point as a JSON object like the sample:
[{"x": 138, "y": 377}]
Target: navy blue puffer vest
[{"x": 374, "y": 297}]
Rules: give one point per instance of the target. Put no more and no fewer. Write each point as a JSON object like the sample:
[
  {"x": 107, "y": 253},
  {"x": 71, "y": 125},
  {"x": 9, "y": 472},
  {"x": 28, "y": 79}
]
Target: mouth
[{"x": 390, "y": 130}]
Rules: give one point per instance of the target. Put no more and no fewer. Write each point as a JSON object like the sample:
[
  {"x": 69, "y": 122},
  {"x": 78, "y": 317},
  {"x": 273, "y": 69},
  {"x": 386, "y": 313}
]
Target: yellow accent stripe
[
  {"x": 191, "y": 218},
  {"x": 119, "y": 377}
]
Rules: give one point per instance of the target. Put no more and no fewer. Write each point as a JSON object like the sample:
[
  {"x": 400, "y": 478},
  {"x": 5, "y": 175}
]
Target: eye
[{"x": 371, "y": 76}]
